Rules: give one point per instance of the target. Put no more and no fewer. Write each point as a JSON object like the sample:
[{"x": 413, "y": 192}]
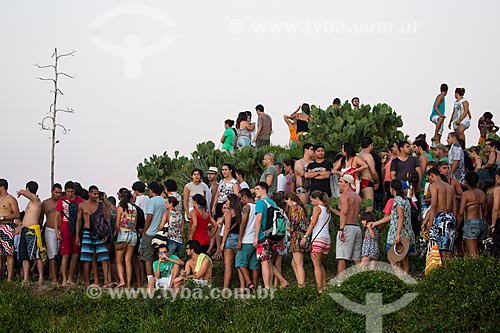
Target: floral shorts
[{"x": 265, "y": 250}]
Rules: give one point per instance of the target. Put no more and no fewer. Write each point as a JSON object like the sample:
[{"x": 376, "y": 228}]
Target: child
[{"x": 369, "y": 251}]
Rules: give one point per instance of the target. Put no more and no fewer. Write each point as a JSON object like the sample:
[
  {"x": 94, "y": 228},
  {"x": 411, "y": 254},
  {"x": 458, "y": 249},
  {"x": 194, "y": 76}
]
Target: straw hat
[{"x": 398, "y": 251}]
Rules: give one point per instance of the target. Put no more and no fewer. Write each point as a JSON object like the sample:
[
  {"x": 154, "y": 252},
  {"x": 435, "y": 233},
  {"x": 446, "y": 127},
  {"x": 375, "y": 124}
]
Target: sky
[{"x": 155, "y": 76}]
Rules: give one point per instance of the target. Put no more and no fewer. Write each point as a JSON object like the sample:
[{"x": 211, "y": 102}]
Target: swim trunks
[
  {"x": 366, "y": 183},
  {"x": 91, "y": 244},
  {"x": 443, "y": 231},
  {"x": 7, "y": 232}
]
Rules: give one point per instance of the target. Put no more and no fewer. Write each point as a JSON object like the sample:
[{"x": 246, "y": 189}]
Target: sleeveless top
[
  {"x": 235, "y": 228},
  {"x": 225, "y": 190},
  {"x": 458, "y": 107},
  {"x": 302, "y": 126},
  {"x": 199, "y": 261},
  {"x": 174, "y": 226},
  {"x": 293, "y": 133},
  {"x": 323, "y": 218},
  {"x": 128, "y": 218},
  {"x": 440, "y": 108},
  {"x": 194, "y": 189},
  {"x": 201, "y": 232},
  {"x": 243, "y": 132}
]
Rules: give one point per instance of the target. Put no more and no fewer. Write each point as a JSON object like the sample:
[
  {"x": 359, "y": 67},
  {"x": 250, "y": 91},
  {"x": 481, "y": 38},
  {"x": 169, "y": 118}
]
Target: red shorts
[
  {"x": 366, "y": 183},
  {"x": 266, "y": 250},
  {"x": 68, "y": 243}
]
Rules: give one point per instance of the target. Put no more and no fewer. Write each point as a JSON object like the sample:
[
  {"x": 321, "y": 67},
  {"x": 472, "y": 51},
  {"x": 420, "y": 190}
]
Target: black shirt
[{"x": 322, "y": 185}]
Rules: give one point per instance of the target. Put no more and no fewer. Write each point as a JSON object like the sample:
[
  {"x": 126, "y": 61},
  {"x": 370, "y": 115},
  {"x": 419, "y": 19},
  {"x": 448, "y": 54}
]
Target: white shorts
[
  {"x": 51, "y": 242},
  {"x": 465, "y": 122},
  {"x": 163, "y": 283},
  {"x": 435, "y": 121}
]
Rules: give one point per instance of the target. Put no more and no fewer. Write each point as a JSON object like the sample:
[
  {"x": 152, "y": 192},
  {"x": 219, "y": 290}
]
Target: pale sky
[{"x": 190, "y": 65}]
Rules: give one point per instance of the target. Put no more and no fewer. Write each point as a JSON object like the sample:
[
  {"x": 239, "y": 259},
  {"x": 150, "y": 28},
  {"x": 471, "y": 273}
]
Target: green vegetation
[
  {"x": 461, "y": 297},
  {"x": 332, "y": 127}
]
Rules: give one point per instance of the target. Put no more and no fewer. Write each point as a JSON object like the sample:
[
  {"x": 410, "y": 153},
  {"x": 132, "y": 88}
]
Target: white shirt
[
  {"x": 249, "y": 234},
  {"x": 281, "y": 183},
  {"x": 243, "y": 185},
  {"x": 322, "y": 219},
  {"x": 142, "y": 202}
]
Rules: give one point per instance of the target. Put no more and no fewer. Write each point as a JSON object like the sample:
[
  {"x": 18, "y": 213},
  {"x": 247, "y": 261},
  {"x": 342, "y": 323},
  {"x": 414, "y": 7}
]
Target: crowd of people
[{"x": 444, "y": 193}]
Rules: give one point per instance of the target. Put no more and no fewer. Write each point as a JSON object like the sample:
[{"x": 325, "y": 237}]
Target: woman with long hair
[
  {"x": 400, "y": 224},
  {"x": 473, "y": 208},
  {"x": 475, "y": 156},
  {"x": 244, "y": 131},
  {"x": 200, "y": 219},
  {"x": 126, "y": 237},
  {"x": 461, "y": 116},
  {"x": 302, "y": 118},
  {"x": 227, "y": 186},
  {"x": 299, "y": 223},
  {"x": 320, "y": 236},
  {"x": 350, "y": 164},
  {"x": 232, "y": 221}
]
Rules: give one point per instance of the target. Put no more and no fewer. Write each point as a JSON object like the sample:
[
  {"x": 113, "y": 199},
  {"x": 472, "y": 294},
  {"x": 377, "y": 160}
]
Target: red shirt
[{"x": 62, "y": 206}]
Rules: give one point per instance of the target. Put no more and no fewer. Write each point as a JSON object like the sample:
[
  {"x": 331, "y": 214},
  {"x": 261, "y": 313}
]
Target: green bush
[{"x": 460, "y": 297}]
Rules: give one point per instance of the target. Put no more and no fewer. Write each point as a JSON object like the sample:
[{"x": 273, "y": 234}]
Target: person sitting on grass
[
  {"x": 198, "y": 268},
  {"x": 165, "y": 269}
]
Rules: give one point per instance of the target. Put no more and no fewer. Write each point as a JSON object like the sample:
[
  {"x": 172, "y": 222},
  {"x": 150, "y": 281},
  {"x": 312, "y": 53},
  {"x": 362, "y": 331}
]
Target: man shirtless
[
  {"x": 198, "y": 268},
  {"x": 349, "y": 237},
  {"x": 30, "y": 243},
  {"x": 9, "y": 211},
  {"x": 49, "y": 210},
  {"x": 369, "y": 177},
  {"x": 440, "y": 220},
  {"x": 93, "y": 249},
  {"x": 300, "y": 168}
]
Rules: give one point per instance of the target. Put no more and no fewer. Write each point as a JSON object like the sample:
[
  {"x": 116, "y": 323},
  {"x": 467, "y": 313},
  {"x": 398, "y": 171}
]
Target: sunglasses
[{"x": 162, "y": 252}]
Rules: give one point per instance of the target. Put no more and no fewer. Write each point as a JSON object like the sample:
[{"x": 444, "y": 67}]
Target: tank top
[
  {"x": 458, "y": 109},
  {"x": 302, "y": 126},
  {"x": 243, "y": 132},
  {"x": 201, "y": 232},
  {"x": 440, "y": 108},
  {"x": 293, "y": 134},
  {"x": 235, "y": 228},
  {"x": 323, "y": 218},
  {"x": 194, "y": 189}
]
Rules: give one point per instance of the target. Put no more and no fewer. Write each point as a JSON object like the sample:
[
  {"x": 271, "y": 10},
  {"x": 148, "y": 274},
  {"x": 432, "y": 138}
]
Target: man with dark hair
[
  {"x": 404, "y": 163},
  {"x": 165, "y": 269},
  {"x": 9, "y": 211},
  {"x": 93, "y": 249},
  {"x": 240, "y": 177},
  {"x": 49, "y": 210},
  {"x": 30, "y": 242},
  {"x": 486, "y": 126},
  {"x": 154, "y": 214},
  {"x": 264, "y": 128},
  {"x": 437, "y": 114},
  {"x": 67, "y": 238},
  {"x": 355, "y": 103},
  {"x": 336, "y": 103},
  {"x": 198, "y": 267},
  {"x": 141, "y": 200},
  {"x": 246, "y": 258},
  {"x": 300, "y": 169},
  {"x": 319, "y": 171},
  {"x": 455, "y": 158},
  {"x": 440, "y": 220},
  {"x": 369, "y": 176}
]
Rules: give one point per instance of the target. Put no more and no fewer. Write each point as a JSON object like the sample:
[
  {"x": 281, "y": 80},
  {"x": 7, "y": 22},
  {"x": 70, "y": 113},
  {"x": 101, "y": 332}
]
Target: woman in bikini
[
  {"x": 350, "y": 164},
  {"x": 473, "y": 208},
  {"x": 232, "y": 220}
]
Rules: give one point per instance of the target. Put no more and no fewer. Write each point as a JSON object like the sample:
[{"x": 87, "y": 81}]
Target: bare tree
[{"x": 49, "y": 122}]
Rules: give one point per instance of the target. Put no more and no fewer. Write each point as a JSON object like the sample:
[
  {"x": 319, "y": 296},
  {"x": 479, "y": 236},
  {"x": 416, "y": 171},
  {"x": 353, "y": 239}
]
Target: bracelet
[{"x": 341, "y": 229}]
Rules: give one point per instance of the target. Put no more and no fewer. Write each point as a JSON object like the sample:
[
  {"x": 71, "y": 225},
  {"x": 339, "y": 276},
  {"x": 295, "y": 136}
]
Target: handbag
[
  {"x": 119, "y": 246},
  {"x": 433, "y": 257},
  {"x": 308, "y": 247}
]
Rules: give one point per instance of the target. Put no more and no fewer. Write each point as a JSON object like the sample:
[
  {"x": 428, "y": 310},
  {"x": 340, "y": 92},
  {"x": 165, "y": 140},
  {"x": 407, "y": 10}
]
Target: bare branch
[
  {"x": 42, "y": 123},
  {"x": 45, "y": 66},
  {"x": 62, "y": 73},
  {"x": 67, "y": 110},
  {"x": 67, "y": 54},
  {"x": 59, "y": 91},
  {"x": 45, "y": 79},
  {"x": 65, "y": 131}
]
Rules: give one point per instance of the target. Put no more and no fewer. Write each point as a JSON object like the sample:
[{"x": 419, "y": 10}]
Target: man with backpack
[
  {"x": 67, "y": 213},
  {"x": 96, "y": 230},
  {"x": 265, "y": 245}
]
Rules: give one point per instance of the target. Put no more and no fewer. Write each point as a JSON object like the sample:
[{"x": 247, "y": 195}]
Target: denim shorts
[
  {"x": 475, "y": 229},
  {"x": 231, "y": 241},
  {"x": 128, "y": 237},
  {"x": 174, "y": 247}
]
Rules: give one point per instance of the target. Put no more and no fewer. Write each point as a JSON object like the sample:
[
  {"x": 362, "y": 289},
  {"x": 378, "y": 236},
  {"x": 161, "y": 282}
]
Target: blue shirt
[
  {"x": 440, "y": 108},
  {"x": 156, "y": 207},
  {"x": 261, "y": 207}
]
